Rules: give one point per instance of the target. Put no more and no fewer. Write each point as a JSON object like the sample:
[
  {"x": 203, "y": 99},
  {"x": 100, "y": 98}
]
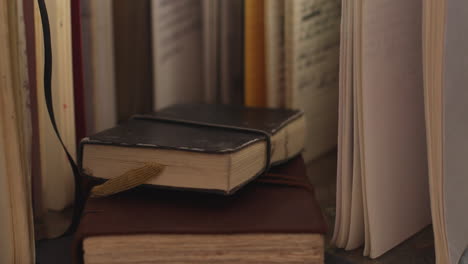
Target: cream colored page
[
  {"x": 455, "y": 94},
  {"x": 312, "y": 61},
  {"x": 177, "y": 52},
  {"x": 395, "y": 173},
  {"x": 275, "y": 52},
  {"x": 16, "y": 211},
  {"x": 6, "y": 214}
]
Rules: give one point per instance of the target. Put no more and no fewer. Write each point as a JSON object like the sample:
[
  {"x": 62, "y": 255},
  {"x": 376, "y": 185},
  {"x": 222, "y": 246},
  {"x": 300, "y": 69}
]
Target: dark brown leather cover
[
  {"x": 269, "y": 120},
  {"x": 285, "y": 205},
  {"x": 139, "y": 132}
]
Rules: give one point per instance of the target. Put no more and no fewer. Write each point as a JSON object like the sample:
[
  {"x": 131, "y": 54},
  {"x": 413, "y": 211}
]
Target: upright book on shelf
[
  {"x": 16, "y": 219},
  {"x": 301, "y": 45},
  {"x": 402, "y": 127}
]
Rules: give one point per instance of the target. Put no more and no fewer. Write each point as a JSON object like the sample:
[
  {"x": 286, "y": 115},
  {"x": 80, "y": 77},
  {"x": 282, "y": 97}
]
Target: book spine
[{"x": 255, "y": 79}]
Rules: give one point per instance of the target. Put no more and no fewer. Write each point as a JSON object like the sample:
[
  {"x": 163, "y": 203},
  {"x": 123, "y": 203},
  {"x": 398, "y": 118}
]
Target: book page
[
  {"x": 177, "y": 52},
  {"x": 312, "y": 61},
  {"x": 393, "y": 138},
  {"x": 455, "y": 94}
]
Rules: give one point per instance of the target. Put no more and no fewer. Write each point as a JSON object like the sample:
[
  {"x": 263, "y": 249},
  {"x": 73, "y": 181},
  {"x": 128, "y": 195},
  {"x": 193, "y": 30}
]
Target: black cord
[{"x": 79, "y": 197}]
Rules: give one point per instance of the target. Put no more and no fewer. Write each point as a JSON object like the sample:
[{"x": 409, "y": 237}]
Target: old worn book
[
  {"x": 221, "y": 147},
  {"x": 275, "y": 219}
]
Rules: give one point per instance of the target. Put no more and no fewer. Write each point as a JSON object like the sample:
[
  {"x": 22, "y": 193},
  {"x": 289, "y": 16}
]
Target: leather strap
[{"x": 214, "y": 125}]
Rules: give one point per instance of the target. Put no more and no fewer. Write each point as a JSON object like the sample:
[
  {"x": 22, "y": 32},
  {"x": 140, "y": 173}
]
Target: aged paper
[{"x": 312, "y": 62}]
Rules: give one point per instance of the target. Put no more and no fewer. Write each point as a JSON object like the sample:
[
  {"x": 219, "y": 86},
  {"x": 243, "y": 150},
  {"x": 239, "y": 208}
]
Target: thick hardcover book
[
  {"x": 210, "y": 147},
  {"x": 275, "y": 219}
]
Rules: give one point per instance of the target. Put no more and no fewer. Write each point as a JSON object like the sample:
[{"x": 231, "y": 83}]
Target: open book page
[
  {"x": 275, "y": 52},
  {"x": 455, "y": 94},
  {"x": 177, "y": 52},
  {"x": 312, "y": 61},
  {"x": 395, "y": 179}
]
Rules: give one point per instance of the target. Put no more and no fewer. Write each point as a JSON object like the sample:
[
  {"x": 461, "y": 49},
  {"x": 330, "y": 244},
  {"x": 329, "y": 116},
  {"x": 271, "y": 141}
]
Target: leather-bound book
[
  {"x": 221, "y": 147},
  {"x": 274, "y": 219}
]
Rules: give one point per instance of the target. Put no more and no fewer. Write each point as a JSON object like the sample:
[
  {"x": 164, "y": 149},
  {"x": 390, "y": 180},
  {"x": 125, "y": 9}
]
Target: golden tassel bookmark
[{"x": 128, "y": 180}]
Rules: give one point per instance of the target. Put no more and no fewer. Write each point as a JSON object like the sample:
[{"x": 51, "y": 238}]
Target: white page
[
  {"x": 177, "y": 52},
  {"x": 312, "y": 59},
  {"x": 455, "y": 156},
  {"x": 394, "y": 171}
]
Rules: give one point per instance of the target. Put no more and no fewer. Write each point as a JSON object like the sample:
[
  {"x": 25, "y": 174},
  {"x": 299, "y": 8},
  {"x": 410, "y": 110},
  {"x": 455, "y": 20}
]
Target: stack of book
[{"x": 215, "y": 201}]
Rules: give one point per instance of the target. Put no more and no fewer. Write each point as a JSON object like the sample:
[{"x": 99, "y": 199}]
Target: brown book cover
[
  {"x": 221, "y": 147},
  {"x": 280, "y": 202}
]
